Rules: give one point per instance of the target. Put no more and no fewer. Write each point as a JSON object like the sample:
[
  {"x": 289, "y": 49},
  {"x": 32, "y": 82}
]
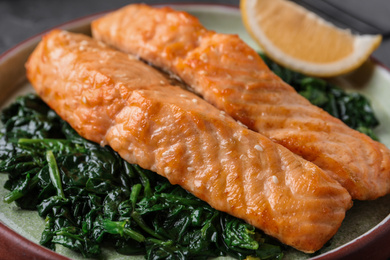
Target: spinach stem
[
  {"x": 145, "y": 181},
  {"x": 138, "y": 219},
  {"x": 60, "y": 145},
  {"x": 135, "y": 191},
  {"x": 54, "y": 173},
  {"x": 18, "y": 193},
  {"x": 118, "y": 227}
]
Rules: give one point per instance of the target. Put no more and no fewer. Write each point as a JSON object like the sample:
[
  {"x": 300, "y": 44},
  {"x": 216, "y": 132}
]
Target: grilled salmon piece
[
  {"x": 231, "y": 76},
  {"x": 111, "y": 98}
]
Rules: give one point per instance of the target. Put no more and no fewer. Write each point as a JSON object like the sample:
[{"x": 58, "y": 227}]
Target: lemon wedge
[{"x": 302, "y": 41}]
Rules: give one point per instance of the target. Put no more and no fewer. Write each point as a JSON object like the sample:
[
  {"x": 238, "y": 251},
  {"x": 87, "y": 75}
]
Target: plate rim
[{"x": 357, "y": 246}]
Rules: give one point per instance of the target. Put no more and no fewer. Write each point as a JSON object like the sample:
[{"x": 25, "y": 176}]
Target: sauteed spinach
[{"x": 89, "y": 196}]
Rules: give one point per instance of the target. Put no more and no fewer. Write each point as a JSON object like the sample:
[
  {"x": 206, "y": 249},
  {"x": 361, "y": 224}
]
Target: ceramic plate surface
[{"x": 365, "y": 230}]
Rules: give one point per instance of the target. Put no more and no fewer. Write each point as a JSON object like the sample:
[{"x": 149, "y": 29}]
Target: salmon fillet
[
  {"x": 111, "y": 98},
  {"x": 230, "y": 75}
]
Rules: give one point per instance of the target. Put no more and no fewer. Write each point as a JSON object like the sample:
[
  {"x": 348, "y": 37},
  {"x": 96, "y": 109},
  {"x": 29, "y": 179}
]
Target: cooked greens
[{"x": 89, "y": 196}]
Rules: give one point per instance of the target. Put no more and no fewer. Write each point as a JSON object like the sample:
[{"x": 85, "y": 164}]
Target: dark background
[{"x": 21, "y": 19}]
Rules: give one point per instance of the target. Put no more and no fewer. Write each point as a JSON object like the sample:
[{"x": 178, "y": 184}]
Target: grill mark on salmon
[
  {"x": 230, "y": 75},
  {"x": 110, "y": 98}
]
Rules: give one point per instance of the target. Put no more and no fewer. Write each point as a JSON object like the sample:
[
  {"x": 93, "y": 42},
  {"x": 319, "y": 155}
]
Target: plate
[{"x": 364, "y": 232}]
